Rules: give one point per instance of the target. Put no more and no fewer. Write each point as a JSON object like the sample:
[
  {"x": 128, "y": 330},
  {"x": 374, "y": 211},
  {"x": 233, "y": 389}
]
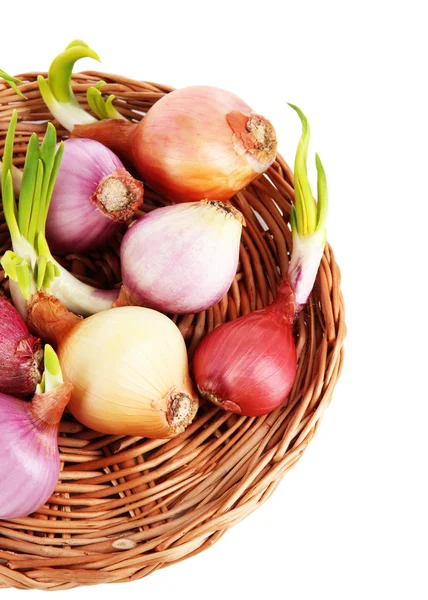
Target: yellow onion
[{"x": 128, "y": 365}]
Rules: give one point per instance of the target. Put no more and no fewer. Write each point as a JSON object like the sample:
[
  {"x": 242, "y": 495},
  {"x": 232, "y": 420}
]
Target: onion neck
[
  {"x": 118, "y": 195},
  {"x": 254, "y": 135},
  {"x": 47, "y": 409},
  {"x": 285, "y": 302},
  {"x": 49, "y": 319},
  {"x": 114, "y": 133}
]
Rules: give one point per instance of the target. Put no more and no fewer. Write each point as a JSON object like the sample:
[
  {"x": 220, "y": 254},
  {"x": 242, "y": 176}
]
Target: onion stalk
[
  {"x": 31, "y": 266},
  {"x": 248, "y": 366}
]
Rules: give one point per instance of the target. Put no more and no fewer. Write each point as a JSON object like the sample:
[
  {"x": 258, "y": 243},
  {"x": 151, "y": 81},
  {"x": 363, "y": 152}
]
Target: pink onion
[
  {"x": 30, "y": 464},
  {"x": 196, "y": 142},
  {"x": 93, "y": 196},
  {"x": 20, "y": 353},
  {"x": 181, "y": 258}
]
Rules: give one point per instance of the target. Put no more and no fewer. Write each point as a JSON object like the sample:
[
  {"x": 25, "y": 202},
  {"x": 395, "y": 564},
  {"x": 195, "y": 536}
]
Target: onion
[
  {"x": 31, "y": 266},
  {"x": 92, "y": 198},
  {"x": 30, "y": 464},
  {"x": 20, "y": 353},
  {"x": 128, "y": 366},
  {"x": 248, "y": 366},
  {"x": 181, "y": 258},
  {"x": 196, "y": 142}
]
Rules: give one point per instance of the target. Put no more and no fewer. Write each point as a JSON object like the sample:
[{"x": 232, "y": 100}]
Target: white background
[{"x": 350, "y": 520}]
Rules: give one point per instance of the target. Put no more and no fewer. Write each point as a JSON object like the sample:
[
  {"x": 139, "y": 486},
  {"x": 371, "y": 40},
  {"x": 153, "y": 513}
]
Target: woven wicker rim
[{"x": 127, "y": 506}]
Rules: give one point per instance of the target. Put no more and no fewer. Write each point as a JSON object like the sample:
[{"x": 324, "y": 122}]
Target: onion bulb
[
  {"x": 30, "y": 464},
  {"x": 248, "y": 366},
  {"x": 181, "y": 258},
  {"x": 20, "y": 353},
  {"x": 128, "y": 367},
  {"x": 196, "y": 142},
  {"x": 93, "y": 197}
]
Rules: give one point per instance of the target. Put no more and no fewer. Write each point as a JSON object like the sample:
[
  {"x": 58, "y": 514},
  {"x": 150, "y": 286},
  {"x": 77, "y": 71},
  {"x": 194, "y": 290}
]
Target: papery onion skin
[
  {"x": 195, "y": 142},
  {"x": 82, "y": 215},
  {"x": 181, "y": 258},
  {"x": 128, "y": 365},
  {"x": 20, "y": 353},
  {"x": 248, "y": 366},
  {"x": 30, "y": 463}
]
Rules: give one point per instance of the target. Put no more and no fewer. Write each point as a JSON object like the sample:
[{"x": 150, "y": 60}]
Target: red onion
[
  {"x": 93, "y": 196},
  {"x": 181, "y": 258},
  {"x": 196, "y": 142},
  {"x": 248, "y": 366},
  {"x": 20, "y": 353},
  {"x": 30, "y": 462}
]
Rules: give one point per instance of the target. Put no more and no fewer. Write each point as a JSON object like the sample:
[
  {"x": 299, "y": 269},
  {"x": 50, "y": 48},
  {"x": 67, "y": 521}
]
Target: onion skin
[
  {"x": 79, "y": 218},
  {"x": 248, "y": 366},
  {"x": 181, "y": 258},
  {"x": 128, "y": 366},
  {"x": 20, "y": 353},
  {"x": 30, "y": 464},
  {"x": 195, "y": 142}
]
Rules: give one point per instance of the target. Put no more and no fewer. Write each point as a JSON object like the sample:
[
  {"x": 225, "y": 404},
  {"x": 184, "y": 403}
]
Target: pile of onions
[
  {"x": 181, "y": 258},
  {"x": 128, "y": 366},
  {"x": 20, "y": 353},
  {"x": 93, "y": 197},
  {"x": 30, "y": 462}
]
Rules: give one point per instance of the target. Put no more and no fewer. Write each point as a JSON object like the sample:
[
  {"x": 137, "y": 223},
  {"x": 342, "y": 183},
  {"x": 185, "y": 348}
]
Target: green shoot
[
  {"x": 52, "y": 375},
  {"x": 12, "y": 81},
  {"x": 307, "y": 220},
  {"x": 57, "y": 91},
  {"x": 308, "y": 215},
  {"x": 104, "y": 109},
  {"x": 30, "y": 265}
]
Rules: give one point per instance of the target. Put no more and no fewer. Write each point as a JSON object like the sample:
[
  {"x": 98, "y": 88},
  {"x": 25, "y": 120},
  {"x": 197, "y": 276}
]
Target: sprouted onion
[
  {"x": 93, "y": 197},
  {"x": 128, "y": 365},
  {"x": 30, "y": 265},
  {"x": 198, "y": 142},
  {"x": 248, "y": 366},
  {"x": 30, "y": 464}
]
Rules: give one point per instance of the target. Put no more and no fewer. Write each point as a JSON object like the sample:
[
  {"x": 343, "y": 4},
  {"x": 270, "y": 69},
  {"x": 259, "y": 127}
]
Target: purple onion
[
  {"x": 20, "y": 353},
  {"x": 93, "y": 196},
  {"x": 181, "y": 258},
  {"x": 30, "y": 464}
]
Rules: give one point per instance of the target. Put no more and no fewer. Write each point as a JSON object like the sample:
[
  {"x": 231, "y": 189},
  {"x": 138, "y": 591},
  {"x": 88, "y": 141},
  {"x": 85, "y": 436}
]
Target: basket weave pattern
[{"x": 126, "y": 506}]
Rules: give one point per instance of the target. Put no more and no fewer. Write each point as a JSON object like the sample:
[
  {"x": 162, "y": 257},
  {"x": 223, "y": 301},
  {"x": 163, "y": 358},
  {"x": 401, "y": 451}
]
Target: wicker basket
[{"x": 126, "y": 506}]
